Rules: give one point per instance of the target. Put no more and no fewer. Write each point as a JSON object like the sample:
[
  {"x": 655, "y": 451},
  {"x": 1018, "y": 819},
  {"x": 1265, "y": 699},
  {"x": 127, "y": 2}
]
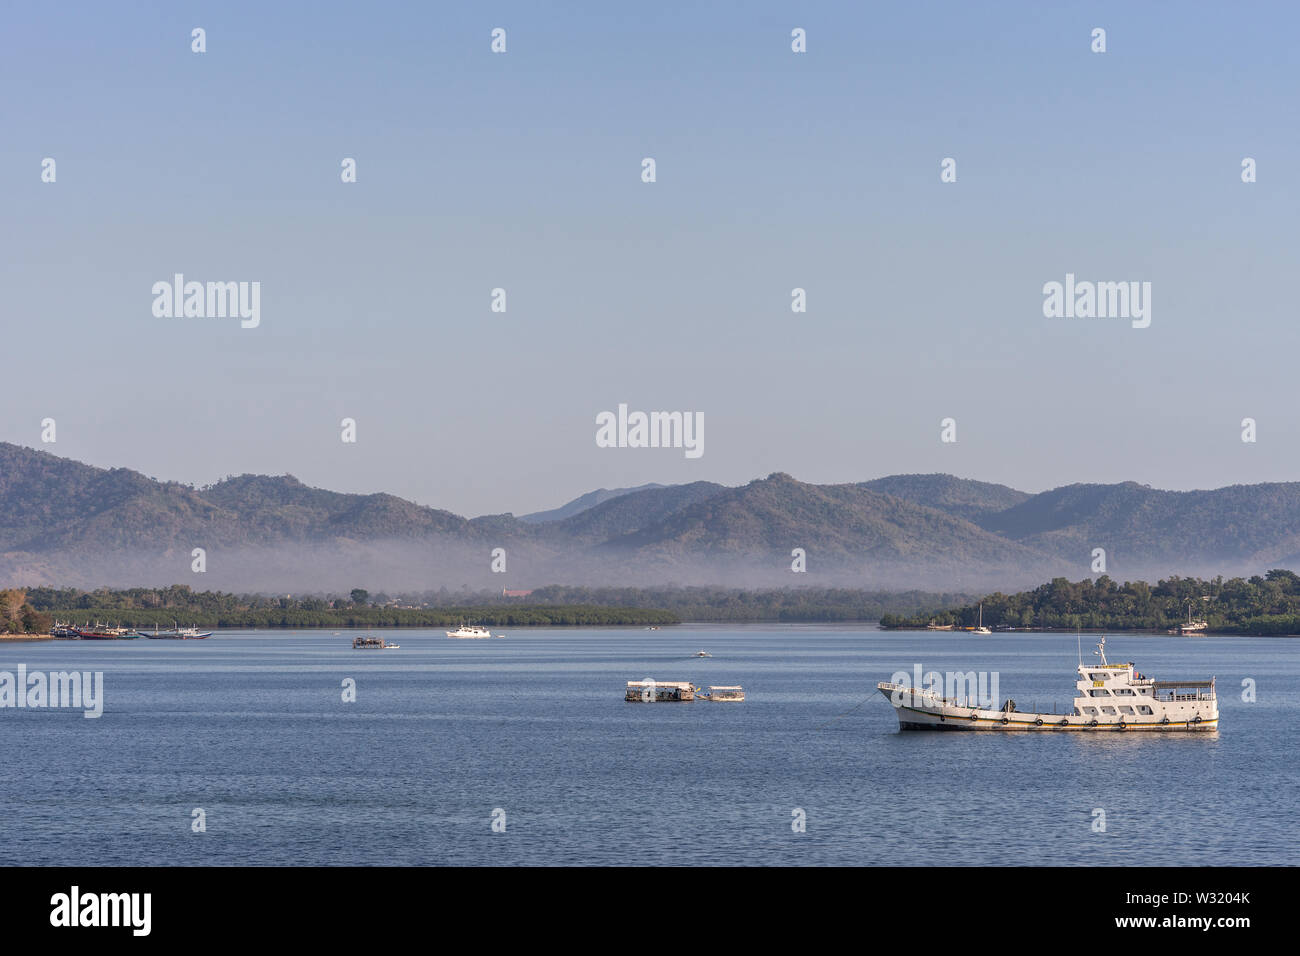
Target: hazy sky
[{"x": 775, "y": 170}]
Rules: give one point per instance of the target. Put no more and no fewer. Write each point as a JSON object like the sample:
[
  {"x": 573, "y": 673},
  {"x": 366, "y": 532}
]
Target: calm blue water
[{"x": 252, "y": 728}]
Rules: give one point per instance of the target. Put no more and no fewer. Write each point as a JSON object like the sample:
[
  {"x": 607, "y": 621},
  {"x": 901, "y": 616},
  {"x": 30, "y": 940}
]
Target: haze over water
[{"x": 251, "y": 727}]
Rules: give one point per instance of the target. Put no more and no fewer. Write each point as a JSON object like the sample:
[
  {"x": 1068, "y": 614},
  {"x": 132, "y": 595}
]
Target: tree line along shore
[
  {"x": 541, "y": 607},
  {"x": 1264, "y": 605}
]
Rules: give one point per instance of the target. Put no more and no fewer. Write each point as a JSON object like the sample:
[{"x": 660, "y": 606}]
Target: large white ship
[{"x": 1111, "y": 697}]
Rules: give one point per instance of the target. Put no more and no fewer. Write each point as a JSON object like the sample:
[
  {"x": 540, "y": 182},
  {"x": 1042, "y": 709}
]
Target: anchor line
[{"x": 845, "y": 714}]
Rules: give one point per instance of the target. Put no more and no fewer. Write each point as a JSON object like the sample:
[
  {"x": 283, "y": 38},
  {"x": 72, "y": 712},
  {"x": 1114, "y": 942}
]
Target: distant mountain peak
[{"x": 583, "y": 503}]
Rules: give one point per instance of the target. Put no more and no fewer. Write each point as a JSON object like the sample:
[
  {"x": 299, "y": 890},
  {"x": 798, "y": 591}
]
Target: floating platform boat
[
  {"x": 377, "y": 643},
  {"x": 657, "y": 691},
  {"x": 726, "y": 693},
  {"x": 1112, "y": 697}
]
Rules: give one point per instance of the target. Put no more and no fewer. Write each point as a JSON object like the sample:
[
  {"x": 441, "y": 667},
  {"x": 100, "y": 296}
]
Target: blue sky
[{"x": 775, "y": 171}]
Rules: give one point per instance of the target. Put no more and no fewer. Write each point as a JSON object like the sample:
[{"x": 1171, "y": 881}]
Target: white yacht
[
  {"x": 470, "y": 630},
  {"x": 1111, "y": 697},
  {"x": 1191, "y": 627}
]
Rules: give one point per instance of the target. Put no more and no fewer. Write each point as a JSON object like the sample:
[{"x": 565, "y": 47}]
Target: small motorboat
[{"x": 701, "y": 654}]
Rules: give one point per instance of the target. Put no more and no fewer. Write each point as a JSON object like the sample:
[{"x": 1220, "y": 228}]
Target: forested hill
[{"x": 1266, "y": 605}]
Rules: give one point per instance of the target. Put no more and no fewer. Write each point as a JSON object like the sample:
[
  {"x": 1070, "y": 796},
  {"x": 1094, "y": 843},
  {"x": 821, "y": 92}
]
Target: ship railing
[{"x": 1176, "y": 697}]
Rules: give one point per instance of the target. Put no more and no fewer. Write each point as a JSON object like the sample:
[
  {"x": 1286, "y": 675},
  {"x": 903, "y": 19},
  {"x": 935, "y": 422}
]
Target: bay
[{"x": 252, "y": 728}]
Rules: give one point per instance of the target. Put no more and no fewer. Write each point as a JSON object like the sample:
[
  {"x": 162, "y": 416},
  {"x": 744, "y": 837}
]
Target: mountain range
[{"x": 67, "y": 523}]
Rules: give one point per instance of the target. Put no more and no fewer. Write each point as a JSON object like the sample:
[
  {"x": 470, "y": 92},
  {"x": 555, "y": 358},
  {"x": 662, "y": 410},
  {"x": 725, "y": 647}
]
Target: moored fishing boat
[
  {"x": 102, "y": 633},
  {"x": 1111, "y": 697},
  {"x": 176, "y": 633}
]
